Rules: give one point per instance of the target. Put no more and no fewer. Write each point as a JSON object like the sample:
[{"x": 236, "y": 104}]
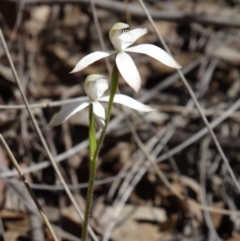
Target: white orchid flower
[
  {"x": 95, "y": 85},
  {"x": 121, "y": 40}
]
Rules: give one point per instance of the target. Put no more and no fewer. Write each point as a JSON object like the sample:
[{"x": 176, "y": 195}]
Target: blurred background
[{"x": 188, "y": 194}]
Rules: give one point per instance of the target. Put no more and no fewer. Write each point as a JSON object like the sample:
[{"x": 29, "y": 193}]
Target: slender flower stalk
[
  {"x": 114, "y": 84},
  {"x": 92, "y": 133},
  {"x": 92, "y": 173},
  {"x": 121, "y": 39}
]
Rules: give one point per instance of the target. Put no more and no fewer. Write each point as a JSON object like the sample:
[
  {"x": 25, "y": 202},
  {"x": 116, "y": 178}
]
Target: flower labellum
[
  {"x": 95, "y": 85},
  {"x": 121, "y": 39}
]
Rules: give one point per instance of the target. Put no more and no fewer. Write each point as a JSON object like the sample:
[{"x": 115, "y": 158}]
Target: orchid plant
[{"x": 95, "y": 85}]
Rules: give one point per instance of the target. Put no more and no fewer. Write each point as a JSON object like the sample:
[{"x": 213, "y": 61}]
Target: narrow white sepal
[
  {"x": 67, "y": 111},
  {"x": 136, "y": 34},
  {"x": 155, "y": 52},
  {"x": 129, "y": 102},
  {"x": 99, "y": 113},
  {"x": 128, "y": 70},
  {"x": 89, "y": 59}
]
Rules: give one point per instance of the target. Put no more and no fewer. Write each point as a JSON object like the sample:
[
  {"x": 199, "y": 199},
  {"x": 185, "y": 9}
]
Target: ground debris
[{"x": 189, "y": 195}]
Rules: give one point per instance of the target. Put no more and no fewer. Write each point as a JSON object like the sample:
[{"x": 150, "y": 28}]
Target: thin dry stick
[
  {"x": 204, "y": 153},
  {"x": 44, "y": 104},
  {"x": 99, "y": 33},
  {"x": 18, "y": 21},
  {"x": 128, "y": 13},
  {"x": 41, "y": 135},
  {"x": 193, "y": 111},
  {"x": 25, "y": 182},
  {"x": 194, "y": 100}
]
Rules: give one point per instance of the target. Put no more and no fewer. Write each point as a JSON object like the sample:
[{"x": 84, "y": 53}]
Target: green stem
[
  {"x": 94, "y": 150},
  {"x": 93, "y": 165},
  {"x": 114, "y": 84},
  {"x": 92, "y": 133}
]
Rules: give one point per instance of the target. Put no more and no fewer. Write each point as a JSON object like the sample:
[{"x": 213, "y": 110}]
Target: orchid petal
[
  {"x": 67, "y": 111},
  {"x": 129, "y": 102},
  {"x": 89, "y": 59},
  {"x": 155, "y": 52},
  {"x": 128, "y": 70},
  {"x": 99, "y": 113}
]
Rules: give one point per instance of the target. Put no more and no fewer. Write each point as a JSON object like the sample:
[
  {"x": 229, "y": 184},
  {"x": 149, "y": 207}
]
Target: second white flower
[{"x": 95, "y": 85}]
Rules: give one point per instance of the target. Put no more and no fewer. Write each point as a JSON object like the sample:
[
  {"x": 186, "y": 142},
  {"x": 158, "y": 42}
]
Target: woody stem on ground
[{"x": 96, "y": 147}]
